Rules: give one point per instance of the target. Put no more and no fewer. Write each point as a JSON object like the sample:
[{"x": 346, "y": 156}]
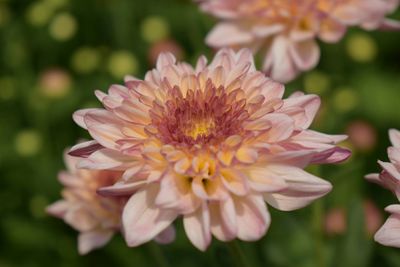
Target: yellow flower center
[{"x": 200, "y": 128}]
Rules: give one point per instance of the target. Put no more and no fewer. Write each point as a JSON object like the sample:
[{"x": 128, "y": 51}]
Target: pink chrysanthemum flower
[
  {"x": 389, "y": 234},
  {"x": 287, "y": 30},
  {"x": 96, "y": 217},
  {"x": 210, "y": 144}
]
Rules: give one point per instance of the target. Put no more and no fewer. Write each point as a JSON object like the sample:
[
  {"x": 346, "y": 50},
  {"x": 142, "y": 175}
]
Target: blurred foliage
[{"x": 53, "y": 54}]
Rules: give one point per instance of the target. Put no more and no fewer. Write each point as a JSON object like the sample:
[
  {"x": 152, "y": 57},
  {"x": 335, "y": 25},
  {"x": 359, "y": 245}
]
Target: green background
[{"x": 92, "y": 43}]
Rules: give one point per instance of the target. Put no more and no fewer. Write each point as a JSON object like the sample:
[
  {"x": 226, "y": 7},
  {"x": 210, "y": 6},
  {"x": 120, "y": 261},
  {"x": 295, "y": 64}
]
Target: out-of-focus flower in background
[
  {"x": 362, "y": 135},
  {"x": 55, "y": 83},
  {"x": 211, "y": 144},
  {"x": 336, "y": 219},
  {"x": 389, "y": 234},
  {"x": 164, "y": 46},
  {"x": 97, "y": 218},
  {"x": 287, "y": 30}
]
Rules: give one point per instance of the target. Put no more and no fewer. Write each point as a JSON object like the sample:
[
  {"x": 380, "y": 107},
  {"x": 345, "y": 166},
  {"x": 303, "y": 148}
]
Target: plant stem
[
  {"x": 237, "y": 254},
  {"x": 158, "y": 254}
]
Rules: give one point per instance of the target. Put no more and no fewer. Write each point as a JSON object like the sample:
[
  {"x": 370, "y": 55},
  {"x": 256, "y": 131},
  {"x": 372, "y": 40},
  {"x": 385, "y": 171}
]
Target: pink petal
[
  {"x": 264, "y": 31},
  {"x": 167, "y": 236},
  {"x": 175, "y": 193},
  {"x": 70, "y": 162},
  {"x": 252, "y": 217},
  {"x": 391, "y": 169},
  {"x": 91, "y": 240},
  {"x": 80, "y": 218},
  {"x": 104, "y": 127},
  {"x": 85, "y": 149},
  {"x": 374, "y": 178},
  {"x": 262, "y": 180},
  {"x": 332, "y": 155},
  {"x": 197, "y": 227},
  {"x": 227, "y": 34},
  {"x": 246, "y": 155},
  {"x": 142, "y": 220},
  {"x": 298, "y": 158},
  {"x": 121, "y": 189},
  {"x": 309, "y": 103},
  {"x": 165, "y": 59},
  {"x": 223, "y": 220},
  {"x": 305, "y": 54},
  {"x": 58, "y": 208},
  {"x": 389, "y": 234},
  {"x": 79, "y": 115},
  {"x": 235, "y": 181},
  {"x": 390, "y": 25},
  {"x": 303, "y": 188},
  {"x": 394, "y": 155},
  {"x": 282, "y": 127},
  {"x": 278, "y": 62},
  {"x": 394, "y": 137},
  {"x": 331, "y": 30},
  {"x": 107, "y": 159}
]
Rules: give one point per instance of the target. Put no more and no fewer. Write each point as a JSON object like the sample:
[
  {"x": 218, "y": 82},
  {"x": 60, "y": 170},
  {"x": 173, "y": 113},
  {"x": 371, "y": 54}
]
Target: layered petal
[
  {"x": 142, "y": 220},
  {"x": 303, "y": 188}
]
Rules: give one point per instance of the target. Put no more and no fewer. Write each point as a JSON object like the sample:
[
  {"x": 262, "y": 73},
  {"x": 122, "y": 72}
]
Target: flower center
[
  {"x": 202, "y": 127},
  {"x": 200, "y": 117}
]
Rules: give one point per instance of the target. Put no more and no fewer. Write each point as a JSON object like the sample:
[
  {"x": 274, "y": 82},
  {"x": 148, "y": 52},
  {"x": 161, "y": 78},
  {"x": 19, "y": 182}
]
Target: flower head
[
  {"x": 287, "y": 29},
  {"x": 96, "y": 217},
  {"x": 210, "y": 144},
  {"x": 389, "y": 234}
]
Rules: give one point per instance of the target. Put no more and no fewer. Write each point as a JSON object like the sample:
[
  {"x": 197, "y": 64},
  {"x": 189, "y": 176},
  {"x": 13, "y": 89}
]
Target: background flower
[
  {"x": 389, "y": 178},
  {"x": 97, "y": 218},
  {"x": 287, "y": 30}
]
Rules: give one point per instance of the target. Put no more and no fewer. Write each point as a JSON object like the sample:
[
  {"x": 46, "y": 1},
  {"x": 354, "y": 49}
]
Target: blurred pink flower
[
  {"x": 362, "y": 135},
  {"x": 373, "y": 217},
  {"x": 287, "y": 30},
  {"x": 164, "y": 46},
  {"x": 389, "y": 234},
  {"x": 96, "y": 217},
  {"x": 210, "y": 144},
  {"x": 336, "y": 219}
]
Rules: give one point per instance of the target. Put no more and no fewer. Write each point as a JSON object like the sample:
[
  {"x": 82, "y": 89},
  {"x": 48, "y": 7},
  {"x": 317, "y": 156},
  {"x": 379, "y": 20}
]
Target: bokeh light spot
[
  {"x": 122, "y": 63},
  {"x": 55, "y": 83},
  {"x": 63, "y": 27},
  {"x": 345, "y": 99},
  {"x": 85, "y": 60},
  {"x": 316, "y": 82},
  {"x": 28, "y": 142},
  {"x": 39, "y": 14},
  {"x": 361, "y": 47},
  {"x": 154, "y": 29}
]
